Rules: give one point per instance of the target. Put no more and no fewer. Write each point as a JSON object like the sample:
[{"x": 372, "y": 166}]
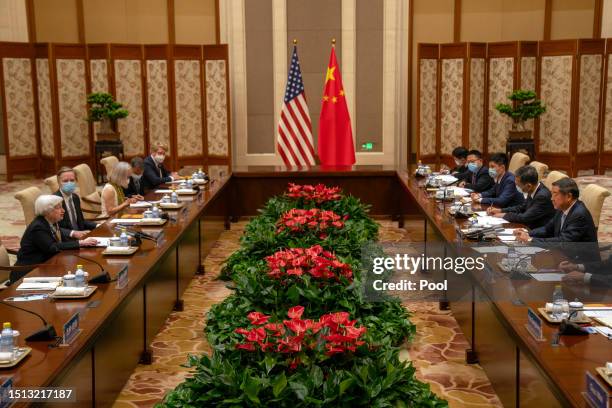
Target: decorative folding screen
[
  {"x": 452, "y": 91},
  {"x": 555, "y": 130},
  {"x": 216, "y": 83},
  {"x": 590, "y": 64},
  {"x": 605, "y": 146},
  {"x": 427, "y": 102},
  {"x": 476, "y": 86},
  {"x": 129, "y": 90},
  {"x": 502, "y": 59}
]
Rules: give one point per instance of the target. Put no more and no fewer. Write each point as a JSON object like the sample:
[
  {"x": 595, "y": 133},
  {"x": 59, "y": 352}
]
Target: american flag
[{"x": 294, "y": 137}]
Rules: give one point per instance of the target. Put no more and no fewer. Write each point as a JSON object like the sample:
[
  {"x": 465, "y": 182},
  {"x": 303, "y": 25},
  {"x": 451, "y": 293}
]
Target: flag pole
[
  {"x": 295, "y": 41},
  {"x": 333, "y": 42}
]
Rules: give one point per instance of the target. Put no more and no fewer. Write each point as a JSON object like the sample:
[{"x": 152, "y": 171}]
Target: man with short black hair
[
  {"x": 503, "y": 192},
  {"x": 572, "y": 222},
  {"x": 536, "y": 210},
  {"x": 460, "y": 157},
  {"x": 477, "y": 178},
  {"x": 136, "y": 185}
]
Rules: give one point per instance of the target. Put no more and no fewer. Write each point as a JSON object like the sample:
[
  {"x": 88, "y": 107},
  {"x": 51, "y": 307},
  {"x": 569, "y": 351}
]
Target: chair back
[
  {"x": 109, "y": 163},
  {"x": 541, "y": 168},
  {"x": 51, "y": 182},
  {"x": 518, "y": 160},
  {"x": 593, "y": 197},
  {"x": 4, "y": 261},
  {"x": 27, "y": 198},
  {"x": 552, "y": 177}
]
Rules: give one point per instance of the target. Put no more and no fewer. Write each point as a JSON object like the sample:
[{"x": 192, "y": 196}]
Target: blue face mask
[
  {"x": 69, "y": 187},
  {"x": 473, "y": 167},
  {"x": 493, "y": 173}
]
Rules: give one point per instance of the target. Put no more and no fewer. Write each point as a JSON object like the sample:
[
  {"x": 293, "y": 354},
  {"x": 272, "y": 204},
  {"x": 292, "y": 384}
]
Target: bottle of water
[
  {"x": 7, "y": 341},
  {"x": 155, "y": 211},
  {"x": 123, "y": 238},
  {"x": 174, "y": 197},
  {"x": 79, "y": 277}
]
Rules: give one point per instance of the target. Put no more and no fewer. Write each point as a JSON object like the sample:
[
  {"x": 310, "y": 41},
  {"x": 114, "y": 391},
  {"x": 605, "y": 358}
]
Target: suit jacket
[
  {"x": 533, "y": 212},
  {"x": 39, "y": 243},
  {"x": 461, "y": 172},
  {"x": 479, "y": 181},
  {"x": 82, "y": 223},
  {"x": 132, "y": 190},
  {"x": 504, "y": 193},
  {"x": 154, "y": 174},
  {"x": 578, "y": 227}
]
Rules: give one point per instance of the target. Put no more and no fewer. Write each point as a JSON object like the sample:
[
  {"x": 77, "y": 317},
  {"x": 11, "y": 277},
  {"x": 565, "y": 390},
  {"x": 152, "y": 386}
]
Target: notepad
[
  {"x": 102, "y": 241},
  {"x": 506, "y": 238},
  {"x": 488, "y": 220},
  {"x": 141, "y": 204},
  {"x": 547, "y": 277},
  {"x": 42, "y": 279},
  {"x": 38, "y": 285}
]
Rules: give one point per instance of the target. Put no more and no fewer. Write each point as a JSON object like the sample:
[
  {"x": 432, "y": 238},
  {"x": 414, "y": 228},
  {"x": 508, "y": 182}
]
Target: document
[
  {"x": 102, "y": 241},
  {"x": 506, "y": 238},
  {"x": 492, "y": 249},
  {"x": 38, "y": 285},
  {"x": 141, "y": 204},
  {"x": 447, "y": 178},
  {"x": 42, "y": 279},
  {"x": 480, "y": 213},
  {"x": 547, "y": 277},
  {"x": 529, "y": 250},
  {"x": 507, "y": 231}
]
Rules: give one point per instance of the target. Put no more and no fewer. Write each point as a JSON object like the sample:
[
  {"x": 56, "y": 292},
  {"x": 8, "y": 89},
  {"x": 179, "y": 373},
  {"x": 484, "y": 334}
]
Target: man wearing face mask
[
  {"x": 503, "y": 193},
  {"x": 73, "y": 223},
  {"x": 460, "y": 157},
  {"x": 477, "y": 178},
  {"x": 154, "y": 171},
  {"x": 536, "y": 210},
  {"x": 136, "y": 186}
]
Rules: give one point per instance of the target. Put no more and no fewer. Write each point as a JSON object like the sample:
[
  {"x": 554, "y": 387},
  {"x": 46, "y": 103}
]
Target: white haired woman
[
  {"x": 43, "y": 238},
  {"x": 113, "y": 196}
]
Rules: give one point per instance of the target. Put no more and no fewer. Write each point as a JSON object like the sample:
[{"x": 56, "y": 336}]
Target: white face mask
[
  {"x": 159, "y": 158},
  {"x": 136, "y": 176}
]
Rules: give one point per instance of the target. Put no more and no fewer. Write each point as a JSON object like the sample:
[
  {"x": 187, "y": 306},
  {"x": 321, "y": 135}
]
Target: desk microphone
[
  {"x": 103, "y": 277},
  {"x": 138, "y": 234},
  {"x": 47, "y": 333}
]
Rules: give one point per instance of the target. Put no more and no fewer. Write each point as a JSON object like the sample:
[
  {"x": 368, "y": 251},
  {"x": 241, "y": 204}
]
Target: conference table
[{"x": 118, "y": 325}]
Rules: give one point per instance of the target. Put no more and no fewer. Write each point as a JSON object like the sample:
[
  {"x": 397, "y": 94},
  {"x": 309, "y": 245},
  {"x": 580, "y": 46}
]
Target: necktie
[
  {"x": 562, "y": 222},
  {"x": 56, "y": 232},
  {"x": 72, "y": 214},
  {"x": 160, "y": 172},
  {"x": 137, "y": 185}
]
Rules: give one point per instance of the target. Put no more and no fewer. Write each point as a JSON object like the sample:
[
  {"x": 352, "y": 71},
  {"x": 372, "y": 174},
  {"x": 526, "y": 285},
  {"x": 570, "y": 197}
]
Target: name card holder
[
  {"x": 122, "y": 278},
  {"x": 6, "y": 384},
  {"x": 596, "y": 394},
  {"x": 534, "y": 325},
  {"x": 71, "y": 330}
]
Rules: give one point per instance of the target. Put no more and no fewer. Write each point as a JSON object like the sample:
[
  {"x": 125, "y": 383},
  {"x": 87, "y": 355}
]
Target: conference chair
[
  {"x": 541, "y": 168},
  {"x": 518, "y": 160},
  {"x": 593, "y": 197},
  {"x": 27, "y": 198},
  {"x": 6, "y": 269},
  {"x": 109, "y": 163},
  {"x": 51, "y": 182},
  {"x": 552, "y": 177}
]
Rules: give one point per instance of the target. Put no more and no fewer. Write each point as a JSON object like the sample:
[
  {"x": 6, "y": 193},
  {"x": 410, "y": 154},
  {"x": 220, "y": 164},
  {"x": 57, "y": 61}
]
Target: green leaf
[
  {"x": 270, "y": 362},
  {"x": 279, "y": 384},
  {"x": 250, "y": 386},
  {"x": 344, "y": 385},
  {"x": 299, "y": 389}
]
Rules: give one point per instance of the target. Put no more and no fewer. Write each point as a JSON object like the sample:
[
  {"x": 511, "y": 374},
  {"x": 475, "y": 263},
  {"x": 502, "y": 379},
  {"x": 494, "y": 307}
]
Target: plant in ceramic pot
[
  {"x": 104, "y": 109},
  {"x": 524, "y": 106}
]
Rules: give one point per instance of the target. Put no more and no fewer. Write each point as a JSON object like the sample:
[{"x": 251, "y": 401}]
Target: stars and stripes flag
[{"x": 294, "y": 138}]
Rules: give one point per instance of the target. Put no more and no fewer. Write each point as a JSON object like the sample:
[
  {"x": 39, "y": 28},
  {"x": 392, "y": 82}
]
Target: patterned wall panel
[
  {"x": 45, "y": 118},
  {"x": 188, "y": 107},
  {"x": 129, "y": 93},
  {"x": 528, "y": 79},
  {"x": 72, "y": 94},
  {"x": 607, "y": 144},
  {"x": 20, "y": 115},
  {"x": 216, "y": 108},
  {"x": 215, "y": 171},
  {"x": 588, "y": 106},
  {"x": 501, "y": 71},
  {"x": 99, "y": 75},
  {"x": 451, "y": 102},
  {"x": 556, "y": 90},
  {"x": 427, "y": 105},
  {"x": 157, "y": 97},
  {"x": 477, "y": 94}
]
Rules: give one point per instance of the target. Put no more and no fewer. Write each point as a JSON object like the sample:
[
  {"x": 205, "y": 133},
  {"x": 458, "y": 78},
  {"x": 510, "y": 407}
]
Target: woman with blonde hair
[{"x": 113, "y": 197}]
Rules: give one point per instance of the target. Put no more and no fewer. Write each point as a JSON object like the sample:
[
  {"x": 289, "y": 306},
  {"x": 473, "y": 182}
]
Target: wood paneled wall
[
  {"x": 176, "y": 94},
  {"x": 568, "y": 76}
]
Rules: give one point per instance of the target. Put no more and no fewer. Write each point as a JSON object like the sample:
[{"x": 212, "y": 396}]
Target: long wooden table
[{"x": 117, "y": 333}]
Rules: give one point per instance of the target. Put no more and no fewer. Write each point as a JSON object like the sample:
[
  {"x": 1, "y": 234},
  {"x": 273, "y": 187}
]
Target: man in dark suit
[
  {"x": 477, "y": 178},
  {"x": 593, "y": 273},
  {"x": 44, "y": 238},
  {"x": 73, "y": 223},
  {"x": 460, "y": 157},
  {"x": 136, "y": 184},
  {"x": 572, "y": 221},
  {"x": 503, "y": 192},
  {"x": 154, "y": 171},
  {"x": 536, "y": 210}
]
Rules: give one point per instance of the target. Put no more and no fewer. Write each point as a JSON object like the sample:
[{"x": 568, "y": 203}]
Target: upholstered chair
[
  {"x": 27, "y": 198},
  {"x": 593, "y": 197},
  {"x": 541, "y": 168},
  {"x": 518, "y": 160}
]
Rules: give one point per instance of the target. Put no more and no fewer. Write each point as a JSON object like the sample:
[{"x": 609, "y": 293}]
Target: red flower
[
  {"x": 246, "y": 346},
  {"x": 257, "y": 318},
  {"x": 295, "y": 312}
]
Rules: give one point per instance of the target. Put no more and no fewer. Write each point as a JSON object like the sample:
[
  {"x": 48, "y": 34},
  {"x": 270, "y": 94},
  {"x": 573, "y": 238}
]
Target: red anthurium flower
[
  {"x": 246, "y": 346},
  {"x": 257, "y": 318},
  {"x": 295, "y": 312}
]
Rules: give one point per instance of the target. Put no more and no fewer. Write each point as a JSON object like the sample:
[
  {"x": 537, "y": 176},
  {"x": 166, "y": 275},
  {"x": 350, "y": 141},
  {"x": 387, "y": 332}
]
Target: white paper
[
  {"x": 528, "y": 250},
  {"x": 141, "y": 204},
  {"x": 117, "y": 249},
  {"x": 488, "y": 220},
  {"x": 492, "y": 250},
  {"x": 38, "y": 286},
  {"x": 42, "y": 279},
  {"x": 70, "y": 291},
  {"x": 102, "y": 241},
  {"x": 506, "y": 238},
  {"x": 598, "y": 313},
  {"x": 547, "y": 277},
  {"x": 163, "y": 191},
  {"x": 135, "y": 220},
  {"x": 447, "y": 178},
  {"x": 481, "y": 213},
  {"x": 460, "y": 191},
  {"x": 606, "y": 331},
  {"x": 507, "y": 231}
]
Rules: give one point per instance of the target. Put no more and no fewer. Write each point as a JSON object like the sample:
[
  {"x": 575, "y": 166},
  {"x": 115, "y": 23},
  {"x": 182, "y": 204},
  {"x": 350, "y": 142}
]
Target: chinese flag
[{"x": 335, "y": 134}]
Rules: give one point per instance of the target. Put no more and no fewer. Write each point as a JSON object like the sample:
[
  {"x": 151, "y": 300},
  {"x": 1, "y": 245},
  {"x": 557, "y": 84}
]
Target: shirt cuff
[
  {"x": 72, "y": 234},
  {"x": 171, "y": 178},
  {"x": 587, "y": 277},
  {"x": 580, "y": 267}
]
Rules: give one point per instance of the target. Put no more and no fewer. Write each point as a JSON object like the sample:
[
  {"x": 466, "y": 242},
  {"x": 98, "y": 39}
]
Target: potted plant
[
  {"x": 524, "y": 106},
  {"x": 104, "y": 109}
]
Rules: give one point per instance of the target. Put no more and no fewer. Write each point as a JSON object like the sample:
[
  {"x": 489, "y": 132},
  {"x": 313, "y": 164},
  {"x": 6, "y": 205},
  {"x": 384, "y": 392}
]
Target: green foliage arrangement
[
  {"x": 524, "y": 106},
  {"x": 299, "y": 329},
  {"x": 103, "y": 106}
]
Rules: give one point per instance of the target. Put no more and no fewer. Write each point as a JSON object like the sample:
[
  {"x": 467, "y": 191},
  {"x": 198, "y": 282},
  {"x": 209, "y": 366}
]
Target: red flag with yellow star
[{"x": 336, "y": 146}]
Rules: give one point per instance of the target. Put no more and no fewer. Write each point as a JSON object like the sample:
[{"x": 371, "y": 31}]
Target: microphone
[
  {"x": 47, "y": 333},
  {"x": 137, "y": 234},
  {"x": 102, "y": 277}
]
